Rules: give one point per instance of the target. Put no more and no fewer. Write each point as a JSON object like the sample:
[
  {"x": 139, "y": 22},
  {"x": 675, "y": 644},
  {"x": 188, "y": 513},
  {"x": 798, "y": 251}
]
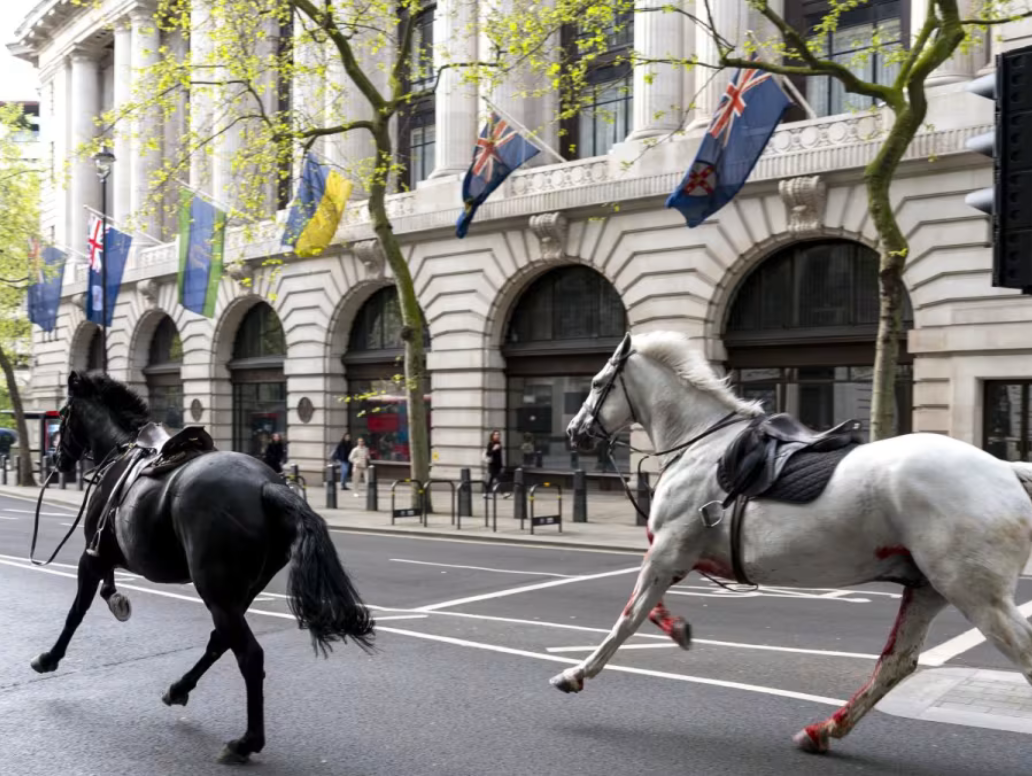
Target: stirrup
[{"x": 93, "y": 552}]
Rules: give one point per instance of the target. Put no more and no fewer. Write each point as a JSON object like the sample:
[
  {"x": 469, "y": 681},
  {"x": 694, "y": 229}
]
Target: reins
[{"x": 98, "y": 474}]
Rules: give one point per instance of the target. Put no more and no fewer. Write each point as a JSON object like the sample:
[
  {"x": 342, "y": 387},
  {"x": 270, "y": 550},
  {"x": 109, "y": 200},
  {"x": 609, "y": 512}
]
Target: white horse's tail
[{"x": 1024, "y": 472}]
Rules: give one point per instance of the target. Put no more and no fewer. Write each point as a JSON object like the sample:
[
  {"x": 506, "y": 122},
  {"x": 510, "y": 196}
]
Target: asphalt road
[{"x": 460, "y": 682}]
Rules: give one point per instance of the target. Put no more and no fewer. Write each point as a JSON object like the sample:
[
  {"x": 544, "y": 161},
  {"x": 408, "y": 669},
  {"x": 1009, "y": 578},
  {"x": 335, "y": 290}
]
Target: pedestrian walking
[
  {"x": 342, "y": 455},
  {"x": 493, "y": 459},
  {"x": 359, "y": 460},
  {"x": 275, "y": 453}
]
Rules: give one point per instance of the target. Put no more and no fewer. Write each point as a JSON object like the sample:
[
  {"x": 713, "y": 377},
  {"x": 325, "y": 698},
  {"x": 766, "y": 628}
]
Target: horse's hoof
[
  {"x": 681, "y": 633},
  {"x": 174, "y": 697},
  {"x": 812, "y": 739},
  {"x": 566, "y": 684},
  {"x": 230, "y": 755},
  {"x": 120, "y": 607},
  {"x": 44, "y": 664}
]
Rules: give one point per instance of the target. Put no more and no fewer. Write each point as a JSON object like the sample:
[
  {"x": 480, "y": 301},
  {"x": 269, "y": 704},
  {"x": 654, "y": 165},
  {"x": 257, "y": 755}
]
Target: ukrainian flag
[{"x": 317, "y": 208}]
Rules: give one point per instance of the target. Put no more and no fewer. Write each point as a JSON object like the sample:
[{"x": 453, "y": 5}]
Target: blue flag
[
  {"x": 114, "y": 252},
  {"x": 500, "y": 149},
  {"x": 44, "y": 295},
  {"x": 748, "y": 113},
  {"x": 202, "y": 232}
]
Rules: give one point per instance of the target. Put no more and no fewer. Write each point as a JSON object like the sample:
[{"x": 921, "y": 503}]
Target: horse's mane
[
  {"x": 676, "y": 351},
  {"x": 123, "y": 402}
]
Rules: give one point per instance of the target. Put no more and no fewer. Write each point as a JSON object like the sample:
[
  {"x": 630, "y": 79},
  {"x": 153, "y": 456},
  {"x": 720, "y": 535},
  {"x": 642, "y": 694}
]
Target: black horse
[{"x": 221, "y": 520}]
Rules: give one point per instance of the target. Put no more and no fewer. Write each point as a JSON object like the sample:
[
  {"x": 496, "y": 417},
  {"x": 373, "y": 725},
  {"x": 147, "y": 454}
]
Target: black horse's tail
[{"x": 320, "y": 593}]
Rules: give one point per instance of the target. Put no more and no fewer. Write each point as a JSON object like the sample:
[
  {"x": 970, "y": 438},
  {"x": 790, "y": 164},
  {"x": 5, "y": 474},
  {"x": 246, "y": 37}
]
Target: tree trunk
[
  {"x": 24, "y": 473},
  {"x": 411, "y": 316}
]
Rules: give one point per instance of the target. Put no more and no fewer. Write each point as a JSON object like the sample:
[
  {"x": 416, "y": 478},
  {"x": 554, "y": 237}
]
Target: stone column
[
  {"x": 730, "y": 18},
  {"x": 455, "y": 40},
  {"x": 202, "y": 57},
  {"x": 962, "y": 66},
  {"x": 85, "y": 186},
  {"x": 148, "y": 127},
  {"x": 658, "y": 88},
  {"x": 122, "y": 173}
]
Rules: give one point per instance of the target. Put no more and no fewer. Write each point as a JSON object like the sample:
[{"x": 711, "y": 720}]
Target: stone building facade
[{"x": 778, "y": 286}]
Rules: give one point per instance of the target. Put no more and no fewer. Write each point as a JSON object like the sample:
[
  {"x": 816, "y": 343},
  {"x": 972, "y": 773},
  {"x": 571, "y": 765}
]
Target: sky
[{"x": 18, "y": 80}]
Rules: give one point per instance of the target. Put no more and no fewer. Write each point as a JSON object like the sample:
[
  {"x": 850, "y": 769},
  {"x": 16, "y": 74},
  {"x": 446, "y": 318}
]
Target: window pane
[
  {"x": 1005, "y": 404},
  {"x": 378, "y": 413}
]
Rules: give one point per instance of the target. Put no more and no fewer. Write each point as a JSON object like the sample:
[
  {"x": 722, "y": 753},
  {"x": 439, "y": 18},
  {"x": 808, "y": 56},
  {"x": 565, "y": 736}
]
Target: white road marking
[
  {"x": 4, "y": 517},
  {"x": 524, "y": 589},
  {"x": 481, "y": 568},
  {"x": 958, "y": 645},
  {"x": 69, "y": 513},
  {"x": 762, "y": 647},
  {"x": 504, "y": 650},
  {"x": 709, "y": 593},
  {"x": 66, "y": 525},
  {"x": 519, "y": 545},
  {"x": 622, "y": 669}
]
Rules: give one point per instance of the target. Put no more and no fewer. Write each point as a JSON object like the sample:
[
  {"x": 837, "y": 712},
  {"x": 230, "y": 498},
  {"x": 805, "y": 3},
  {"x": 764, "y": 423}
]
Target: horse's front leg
[
  {"x": 91, "y": 571},
  {"x": 117, "y": 603},
  {"x": 666, "y": 561}
]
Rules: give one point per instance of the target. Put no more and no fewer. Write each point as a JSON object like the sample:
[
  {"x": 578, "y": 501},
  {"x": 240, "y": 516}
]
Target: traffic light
[{"x": 1009, "y": 200}]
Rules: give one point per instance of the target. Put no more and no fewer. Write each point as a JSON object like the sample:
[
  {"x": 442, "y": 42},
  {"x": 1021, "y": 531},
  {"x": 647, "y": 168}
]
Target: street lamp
[{"x": 103, "y": 160}]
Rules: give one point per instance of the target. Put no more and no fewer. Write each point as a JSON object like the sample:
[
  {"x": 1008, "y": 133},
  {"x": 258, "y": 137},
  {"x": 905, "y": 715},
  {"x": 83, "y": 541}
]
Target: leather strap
[{"x": 737, "y": 519}]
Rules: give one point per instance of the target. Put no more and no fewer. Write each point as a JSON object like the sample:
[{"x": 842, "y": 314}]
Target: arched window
[
  {"x": 95, "y": 354},
  {"x": 801, "y": 332},
  {"x": 560, "y": 333},
  {"x": 163, "y": 375},
  {"x": 374, "y": 363},
  {"x": 259, "y": 386}
]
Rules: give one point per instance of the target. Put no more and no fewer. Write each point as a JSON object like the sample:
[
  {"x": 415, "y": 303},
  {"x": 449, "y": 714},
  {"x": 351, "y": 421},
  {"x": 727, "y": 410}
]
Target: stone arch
[
  {"x": 508, "y": 295},
  {"x": 82, "y": 340},
  {"x": 226, "y": 330},
  {"x": 343, "y": 318},
  {"x": 140, "y": 341},
  {"x": 727, "y": 288}
]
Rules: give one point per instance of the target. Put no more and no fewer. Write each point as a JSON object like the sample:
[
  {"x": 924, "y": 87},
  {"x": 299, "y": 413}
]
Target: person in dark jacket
[
  {"x": 342, "y": 455},
  {"x": 275, "y": 453},
  {"x": 493, "y": 459}
]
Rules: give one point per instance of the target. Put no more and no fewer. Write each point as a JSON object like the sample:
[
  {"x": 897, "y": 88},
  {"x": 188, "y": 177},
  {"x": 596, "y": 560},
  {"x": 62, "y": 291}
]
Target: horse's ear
[
  {"x": 624, "y": 350},
  {"x": 76, "y": 384}
]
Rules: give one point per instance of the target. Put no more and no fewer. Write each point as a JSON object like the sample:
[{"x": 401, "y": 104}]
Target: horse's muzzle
[{"x": 64, "y": 463}]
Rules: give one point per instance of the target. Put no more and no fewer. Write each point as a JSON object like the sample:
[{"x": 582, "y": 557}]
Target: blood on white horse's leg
[
  {"x": 898, "y": 660},
  {"x": 673, "y": 626},
  {"x": 654, "y": 579}
]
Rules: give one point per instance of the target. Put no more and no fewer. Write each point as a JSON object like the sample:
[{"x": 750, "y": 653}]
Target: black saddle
[
  {"x": 184, "y": 446},
  {"x": 778, "y": 457}
]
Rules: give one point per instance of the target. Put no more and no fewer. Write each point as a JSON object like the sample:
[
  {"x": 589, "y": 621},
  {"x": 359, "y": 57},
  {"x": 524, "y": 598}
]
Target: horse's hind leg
[
  {"x": 663, "y": 564},
  {"x": 90, "y": 573},
  {"x": 237, "y": 635},
  {"x": 117, "y": 603},
  {"x": 898, "y": 660},
  {"x": 178, "y": 693}
]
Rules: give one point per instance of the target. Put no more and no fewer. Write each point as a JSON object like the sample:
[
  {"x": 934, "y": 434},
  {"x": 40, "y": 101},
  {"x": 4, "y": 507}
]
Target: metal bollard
[
  {"x": 580, "y": 497},
  {"x": 371, "y": 503},
  {"x": 519, "y": 496},
  {"x": 62, "y": 480},
  {"x": 3, "y": 475},
  {"x": 81, "y": 474},
  {"x": 332, "y": 474},
  {"x": 644, "y": 499},
  {"x": 574, "y": 460},
  {"x": 465, "y": 496},
  {"x": 539, "y": 459}
]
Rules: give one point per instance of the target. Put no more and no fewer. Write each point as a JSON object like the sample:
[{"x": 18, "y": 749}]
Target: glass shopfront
[
  {"x": 259, "y": 386},
  {"x": 163, "y": 376},
  {"x": 1008, "y": 418}
]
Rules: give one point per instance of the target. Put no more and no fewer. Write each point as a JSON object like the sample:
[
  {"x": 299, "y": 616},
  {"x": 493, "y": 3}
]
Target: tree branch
[{"x": 1002, "y": 20}]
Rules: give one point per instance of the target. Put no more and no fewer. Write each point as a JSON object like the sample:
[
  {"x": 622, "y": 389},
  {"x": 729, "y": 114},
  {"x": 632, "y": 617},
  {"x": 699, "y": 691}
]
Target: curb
[
  {"x": 388, "y": 531},
  {"x": 525, "y": 540}
]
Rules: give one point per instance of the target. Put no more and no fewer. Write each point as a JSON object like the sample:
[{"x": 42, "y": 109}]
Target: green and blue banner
[{"x": 202, "y": 231}]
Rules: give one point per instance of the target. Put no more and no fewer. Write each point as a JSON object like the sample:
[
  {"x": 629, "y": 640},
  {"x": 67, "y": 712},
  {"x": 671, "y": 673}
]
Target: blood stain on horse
[
  {"x": 713, "y": 568},
  {"x": 884, "y": 553}
]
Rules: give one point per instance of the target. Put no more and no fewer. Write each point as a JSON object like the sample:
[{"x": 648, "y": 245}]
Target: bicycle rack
[
  {"x": 412, "y": 511},
  {"x": 491, "y": 513},
  {"x": 455, "y": 518},
  {"x": 537, "y": 520}
]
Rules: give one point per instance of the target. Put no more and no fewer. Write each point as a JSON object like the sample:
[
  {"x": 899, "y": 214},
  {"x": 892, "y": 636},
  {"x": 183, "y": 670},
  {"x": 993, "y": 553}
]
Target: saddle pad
[{"x": 806, "y": 475}]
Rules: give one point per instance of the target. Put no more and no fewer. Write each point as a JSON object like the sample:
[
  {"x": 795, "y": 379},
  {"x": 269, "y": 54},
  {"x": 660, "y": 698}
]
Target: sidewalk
[{"x": 610, "y": 526}]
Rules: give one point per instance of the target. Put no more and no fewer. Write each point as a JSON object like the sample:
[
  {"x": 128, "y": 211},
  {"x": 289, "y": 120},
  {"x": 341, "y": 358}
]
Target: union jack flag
[
  {"x": 733, "y": 104},
  {"x": 96, "y": 242},
  {"x": 737, "y": 135},
  {"x": 500, "y": 149}
]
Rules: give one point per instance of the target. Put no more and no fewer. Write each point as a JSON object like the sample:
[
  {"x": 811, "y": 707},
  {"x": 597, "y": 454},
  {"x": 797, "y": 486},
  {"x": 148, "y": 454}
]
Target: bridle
[
  {"x": 98, "y": 474},
  {"x": 608, "y": 441}
]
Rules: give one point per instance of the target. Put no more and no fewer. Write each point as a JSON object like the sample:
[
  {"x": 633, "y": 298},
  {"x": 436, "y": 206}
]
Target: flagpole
[
  {"x": 522, "y": 128},
  {"x": 229, "y": 209},
  {"x": 791, "y": 88},
  {"x": 118, "y": 226}
]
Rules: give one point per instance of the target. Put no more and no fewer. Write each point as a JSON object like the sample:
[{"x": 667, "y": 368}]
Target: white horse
[{"x": 950, "y": 522}]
